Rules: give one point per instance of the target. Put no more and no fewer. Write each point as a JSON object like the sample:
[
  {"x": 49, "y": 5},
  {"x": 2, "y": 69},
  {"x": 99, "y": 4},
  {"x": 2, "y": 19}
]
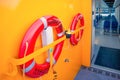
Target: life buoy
[
  {"x": 32, "y": 69},
  {"x": 73, "y": 39}
]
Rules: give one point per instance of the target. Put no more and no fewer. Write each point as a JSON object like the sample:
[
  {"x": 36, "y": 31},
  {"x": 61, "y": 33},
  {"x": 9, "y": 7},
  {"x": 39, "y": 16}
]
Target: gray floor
[
  {"x": 95, "y": 74},
  {"x": 111, "y": 41}
]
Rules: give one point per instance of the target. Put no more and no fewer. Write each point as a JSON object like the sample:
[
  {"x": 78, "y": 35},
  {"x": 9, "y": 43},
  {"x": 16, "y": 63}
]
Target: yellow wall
[{"x": 17, "y": 15}]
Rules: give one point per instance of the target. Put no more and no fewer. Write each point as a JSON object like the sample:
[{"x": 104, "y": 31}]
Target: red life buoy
[
  {"x": 73, "y": 39},
  {"x": 32, "y": 69}
]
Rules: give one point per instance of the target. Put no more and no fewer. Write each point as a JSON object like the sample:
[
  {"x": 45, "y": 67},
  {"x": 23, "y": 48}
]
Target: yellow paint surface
[{"x": 17, "y": 15}]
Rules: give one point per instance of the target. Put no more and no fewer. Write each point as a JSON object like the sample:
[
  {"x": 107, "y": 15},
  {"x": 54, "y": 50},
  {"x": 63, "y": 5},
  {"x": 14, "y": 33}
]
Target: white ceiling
[
  {"x": 100, "y": 4},
  {"x": 116, "y": 3}
]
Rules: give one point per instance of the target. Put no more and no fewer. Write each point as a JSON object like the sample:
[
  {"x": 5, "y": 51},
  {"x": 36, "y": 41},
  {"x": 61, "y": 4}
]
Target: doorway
[{"x": 105, "y": 36}]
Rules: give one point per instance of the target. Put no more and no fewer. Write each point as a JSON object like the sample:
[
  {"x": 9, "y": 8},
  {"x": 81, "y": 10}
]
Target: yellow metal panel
[{"x": 17, "y": 15}]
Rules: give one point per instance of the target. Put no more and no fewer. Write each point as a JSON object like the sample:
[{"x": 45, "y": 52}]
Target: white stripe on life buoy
[
  {"x": 44, "y": 22},
  {"x": 30, "y": 67},
  {"x": 72, "y": 30},
  {"x": 60, "y": 34}
]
